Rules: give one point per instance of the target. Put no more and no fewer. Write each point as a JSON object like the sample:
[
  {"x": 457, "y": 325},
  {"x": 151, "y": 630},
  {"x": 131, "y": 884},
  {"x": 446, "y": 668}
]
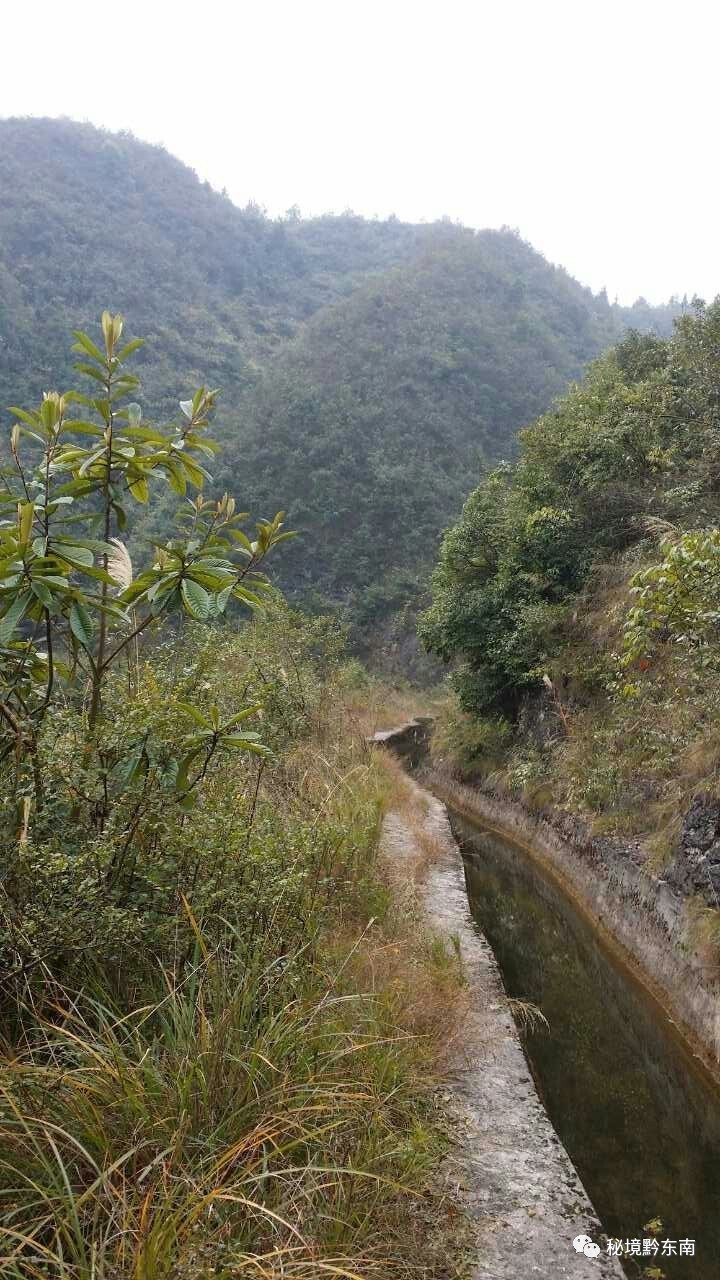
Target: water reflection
[{"x": 641, "y": 1124}]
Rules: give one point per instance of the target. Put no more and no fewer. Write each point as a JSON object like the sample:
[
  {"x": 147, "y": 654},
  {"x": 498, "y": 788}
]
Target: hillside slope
[
  {"x": 378, "y": 418},
  {"x": 367, "y": 367},
  {"x": 578, "y": 600},
  {"x": 90, "y": 219}
]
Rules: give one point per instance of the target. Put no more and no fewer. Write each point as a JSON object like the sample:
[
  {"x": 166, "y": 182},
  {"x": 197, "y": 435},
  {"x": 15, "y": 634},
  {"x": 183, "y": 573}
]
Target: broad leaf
[
  {"x": 81, "y": 624},
  {"x": 193, "y": 712},
  {"x": 139, "y": 488},
  {"x": 195, "y": 599},
  {"x": 15, "y": 613},
  {"x": 86, "y": 344}
]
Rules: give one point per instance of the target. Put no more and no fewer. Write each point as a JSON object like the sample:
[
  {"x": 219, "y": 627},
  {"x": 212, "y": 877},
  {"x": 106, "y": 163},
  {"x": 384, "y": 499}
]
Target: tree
[
  {"x": 70, "y": 606},
  {"x": 678, "y": 598},
  {"x": 529, "y": 535}
]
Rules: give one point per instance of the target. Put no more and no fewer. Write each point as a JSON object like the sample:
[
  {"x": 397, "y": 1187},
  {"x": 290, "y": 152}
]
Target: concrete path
[{"x": 512, "y": 1174}]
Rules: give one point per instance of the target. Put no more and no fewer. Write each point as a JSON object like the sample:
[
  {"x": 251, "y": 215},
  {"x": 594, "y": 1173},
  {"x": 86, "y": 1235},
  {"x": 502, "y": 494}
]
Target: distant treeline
[{"x": 368, "y": 368}]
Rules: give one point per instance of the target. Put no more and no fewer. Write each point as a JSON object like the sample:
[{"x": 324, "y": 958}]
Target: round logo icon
[
  {"x": 583, "y": 1244},
  {"x": 580, "y": 1243}
]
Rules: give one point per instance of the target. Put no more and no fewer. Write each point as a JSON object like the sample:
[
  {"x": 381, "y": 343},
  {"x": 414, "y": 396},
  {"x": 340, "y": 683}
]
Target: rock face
[{"x": 696, "y": 868}]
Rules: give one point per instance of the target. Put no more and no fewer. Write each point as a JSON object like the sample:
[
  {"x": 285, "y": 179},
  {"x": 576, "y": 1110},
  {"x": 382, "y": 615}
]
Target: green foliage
[
  {"x": 631, "y": 445},
  {"x": 87, "y": 214},
  {"x": 204, "y": 1066},
  {"x": 368, "y": 366},
  {"x": 381, "y": 412},
  {"x": 207, "y": 1064},
  {"x": 54, "y": 569},
  {"x": 678, "y": 598},
  {"x": 217, "y": 1087},
  {"x": 622, "y": 478},
  {"x": 474, "y": 744},
  {"x": 81, "y": 791},
  {"x": 175, "y": 826}
]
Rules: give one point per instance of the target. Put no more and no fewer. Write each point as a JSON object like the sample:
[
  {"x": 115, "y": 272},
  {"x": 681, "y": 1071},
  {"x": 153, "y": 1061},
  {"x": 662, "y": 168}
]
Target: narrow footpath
[{"x": 507, "y": 1166}]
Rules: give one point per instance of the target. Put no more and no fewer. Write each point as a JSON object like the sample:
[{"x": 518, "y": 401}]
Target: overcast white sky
[{"x": 591, "y": 125}]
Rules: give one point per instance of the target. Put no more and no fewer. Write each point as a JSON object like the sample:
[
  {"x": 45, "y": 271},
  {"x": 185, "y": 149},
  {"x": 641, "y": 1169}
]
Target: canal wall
[
  {"x": 640, "y": 916},
  {"x": 507, "y": 1166}
]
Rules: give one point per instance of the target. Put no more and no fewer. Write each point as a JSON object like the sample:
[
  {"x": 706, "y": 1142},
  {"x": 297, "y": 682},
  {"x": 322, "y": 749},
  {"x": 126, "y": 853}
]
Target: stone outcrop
[{"x": 696, "y": 866}]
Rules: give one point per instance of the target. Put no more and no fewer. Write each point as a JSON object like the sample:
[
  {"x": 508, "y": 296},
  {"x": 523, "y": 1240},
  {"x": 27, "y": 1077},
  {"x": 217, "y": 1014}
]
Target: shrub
[{"x": 102, "y": 759}]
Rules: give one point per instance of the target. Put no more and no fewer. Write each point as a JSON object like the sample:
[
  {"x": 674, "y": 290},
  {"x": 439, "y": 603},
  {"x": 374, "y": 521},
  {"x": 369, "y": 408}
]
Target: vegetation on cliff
[{"x": 578, "y": 598}]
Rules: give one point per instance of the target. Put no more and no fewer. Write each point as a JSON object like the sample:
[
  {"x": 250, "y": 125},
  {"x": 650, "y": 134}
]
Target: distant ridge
[{"x": 367, "y": 367}]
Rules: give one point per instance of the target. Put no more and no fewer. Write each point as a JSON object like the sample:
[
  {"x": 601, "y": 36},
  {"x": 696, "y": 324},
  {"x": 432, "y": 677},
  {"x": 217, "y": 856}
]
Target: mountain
[
  {"x": 90, "y": 219},
  {"x": 379, "y": 416},
  {"x": 368, "y": 368}
]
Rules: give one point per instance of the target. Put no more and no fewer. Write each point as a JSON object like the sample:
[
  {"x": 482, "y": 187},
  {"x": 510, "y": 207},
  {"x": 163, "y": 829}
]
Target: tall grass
[
  {"x": 249, "y": 1120},
  {"x": 232, "y": 1073},
  {"x": 261, "y": 1103}
]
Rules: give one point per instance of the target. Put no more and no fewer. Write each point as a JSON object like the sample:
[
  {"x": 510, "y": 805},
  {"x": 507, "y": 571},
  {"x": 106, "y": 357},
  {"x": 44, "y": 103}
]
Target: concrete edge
[
  {"x": 512, "y": 1174},
  {"x": 640, "y": 918}
]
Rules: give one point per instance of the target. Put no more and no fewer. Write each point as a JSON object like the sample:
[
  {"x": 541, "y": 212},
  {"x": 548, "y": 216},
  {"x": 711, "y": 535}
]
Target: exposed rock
[
  {"x": 713, "y": 854},
  {"x": 702, "y": 824},
  {"x": 696, "y": 866}
]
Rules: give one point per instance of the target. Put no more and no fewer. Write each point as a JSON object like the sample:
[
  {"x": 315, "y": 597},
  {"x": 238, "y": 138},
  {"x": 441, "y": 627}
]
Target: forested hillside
[
  {"x": 380, "y": 415},
  {"x": 578, "y": 598},
  {"x": 86, "y": 215},
  {"x": 367, "y": 368}
]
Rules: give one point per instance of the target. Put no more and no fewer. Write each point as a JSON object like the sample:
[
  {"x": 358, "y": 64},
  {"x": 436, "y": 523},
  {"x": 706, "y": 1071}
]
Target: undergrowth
[
  {"x": 630, "y": 752},
  {"x": 222, "y": 1061}
]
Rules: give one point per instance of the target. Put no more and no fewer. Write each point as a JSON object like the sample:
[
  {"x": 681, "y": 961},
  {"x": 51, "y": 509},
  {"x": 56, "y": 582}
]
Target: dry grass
[
  {"x": 663, "y": 842},
  {"x": 527, "y": 1015},
  {"x": 703, "y": 930},
  {"x": 428, "y": 966},
  {"x": 222, "y": 1126},
  {"x": 268, "y": 1112},
  {"x": 401, "y": 955}
]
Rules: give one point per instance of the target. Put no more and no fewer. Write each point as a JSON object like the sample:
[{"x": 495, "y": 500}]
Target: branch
[{"x": 150, "y": 617}]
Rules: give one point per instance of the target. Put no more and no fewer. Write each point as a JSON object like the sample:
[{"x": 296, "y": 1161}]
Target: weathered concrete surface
[
  {"x": 512, "y": 1174},
  {"x": 640, "y": 916},
  {"x": 407, "y": 738}
]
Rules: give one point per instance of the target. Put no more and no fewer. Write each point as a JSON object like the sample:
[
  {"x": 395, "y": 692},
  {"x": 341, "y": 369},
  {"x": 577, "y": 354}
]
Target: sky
[{"x": 591, "y": 126}]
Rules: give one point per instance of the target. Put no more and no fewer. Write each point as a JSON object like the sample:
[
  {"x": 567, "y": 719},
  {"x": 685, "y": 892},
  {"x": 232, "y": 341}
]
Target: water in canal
[{"x": 640, "y": 1120}]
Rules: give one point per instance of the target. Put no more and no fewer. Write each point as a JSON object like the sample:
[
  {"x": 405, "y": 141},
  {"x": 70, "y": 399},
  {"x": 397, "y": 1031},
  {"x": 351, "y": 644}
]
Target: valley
[{"x": 271, "y": 488}]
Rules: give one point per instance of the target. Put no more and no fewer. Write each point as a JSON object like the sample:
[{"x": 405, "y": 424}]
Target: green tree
[
  {"x": 587, "y": 474},
  {"x": 677, "y": 599},
  {"x": 70, "y": 607}
]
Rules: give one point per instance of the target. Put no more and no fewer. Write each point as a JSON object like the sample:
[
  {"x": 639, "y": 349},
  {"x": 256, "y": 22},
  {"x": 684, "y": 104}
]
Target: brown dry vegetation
[{"x": 267, "y": 1106}]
